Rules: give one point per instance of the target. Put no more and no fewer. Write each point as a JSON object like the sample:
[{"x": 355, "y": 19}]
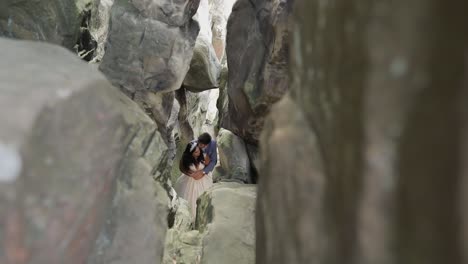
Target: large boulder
[
  {"x": 233, "y": 157},
  {"x": 365, "y": 160},
  {"x": 55, "y": 21},
  {"x": 150, "y": 45},
  {"x": 205, "y": 66},
  {"x": 257, "y": 57},
  {"x": 75, "y": 154},
  {"x": 148, "y": 53},
  {"x": 226, "y": 217}
]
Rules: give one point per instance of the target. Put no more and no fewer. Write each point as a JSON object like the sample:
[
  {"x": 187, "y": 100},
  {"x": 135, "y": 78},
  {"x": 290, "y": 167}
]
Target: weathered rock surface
[
  {"x": 226, "y": 217},
  {"x": 183, "y": 216},
  {"x": 150, "y": 45},
  {"x": 224, "y": 231},
  {"x": 223, "y": 100},
  {"x": 219, "y": 13},
  {"x": 257, "y": 56},
  {"x": 75, "y": 154},
  {"x": 205, "y": 66},
  {"x": 233, "y": 157},
  {"x": 183, "y": 245},
  {"x": 99, "y": 26},
  {"x": 376, "y": 121},
  {"x": 55, "y": 21}
]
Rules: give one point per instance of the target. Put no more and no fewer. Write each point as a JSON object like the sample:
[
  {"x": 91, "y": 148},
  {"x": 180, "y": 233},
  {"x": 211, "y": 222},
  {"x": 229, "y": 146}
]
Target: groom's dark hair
[{"x": 204, "y": 138}]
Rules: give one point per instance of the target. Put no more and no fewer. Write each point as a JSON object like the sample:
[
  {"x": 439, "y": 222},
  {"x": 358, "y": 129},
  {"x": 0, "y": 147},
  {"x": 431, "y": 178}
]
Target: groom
[{"x": 209, "y": 147}]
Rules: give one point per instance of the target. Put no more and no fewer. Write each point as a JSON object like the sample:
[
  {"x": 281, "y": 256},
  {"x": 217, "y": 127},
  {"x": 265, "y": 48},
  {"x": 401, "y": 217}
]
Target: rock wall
[
  {"x": 149, "y": 46},
  {"x": 55, "y": 21},
  {"x": 77, "y": 159},
  {"x": 257, "y": 57},
  {"x": 363, "y": 162},
  {"x": 233, "y": 158},
  {"x": 204, "y": 66},
  {"x": 224, "y": 229}
]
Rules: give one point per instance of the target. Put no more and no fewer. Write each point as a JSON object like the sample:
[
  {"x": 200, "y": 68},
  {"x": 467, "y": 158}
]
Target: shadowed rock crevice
[
  {"x": 86, "y": 45},
  {"x": 374, "y": 117}
]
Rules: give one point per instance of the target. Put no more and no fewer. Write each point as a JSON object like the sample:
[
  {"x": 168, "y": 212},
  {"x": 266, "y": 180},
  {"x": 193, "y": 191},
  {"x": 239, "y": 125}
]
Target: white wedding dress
[{"x": 190, "y": 189}]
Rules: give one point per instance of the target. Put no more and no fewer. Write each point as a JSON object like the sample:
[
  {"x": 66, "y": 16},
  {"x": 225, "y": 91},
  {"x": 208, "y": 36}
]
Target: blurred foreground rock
[
  {"x": 365, "y": 161},
  {"x": 77, "y": 161}
]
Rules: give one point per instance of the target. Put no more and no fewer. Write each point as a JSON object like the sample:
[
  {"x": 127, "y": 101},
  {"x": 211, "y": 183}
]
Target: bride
[{"x": 188, "y": 187}]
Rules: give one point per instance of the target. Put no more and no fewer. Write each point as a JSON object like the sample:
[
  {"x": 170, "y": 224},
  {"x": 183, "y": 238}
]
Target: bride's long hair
[{"x": 187, "y": 157}]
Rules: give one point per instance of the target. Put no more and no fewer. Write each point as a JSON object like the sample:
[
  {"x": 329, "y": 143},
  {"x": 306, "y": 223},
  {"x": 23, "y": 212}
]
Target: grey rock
[
  {"x": 173, "y": 13},
  {"x": 226, "y": 217},
  {"x": 55, "y": 21},
  {"x": 183, "y": 216},
  {"x": 204, "y": 68},
  {"x": 223, "y": 100},
  {"x": 183, "y": 247},
  {"x": 257, "y": 56},
  {"x": 233, "y": 156},
  {"x": 99, "y": 26},
  {"x": 377, "y": 118},
  {"x": 143, "y": 53},
  {"x": 136, "y": 223},
  {"x": 78, "y": 155}
]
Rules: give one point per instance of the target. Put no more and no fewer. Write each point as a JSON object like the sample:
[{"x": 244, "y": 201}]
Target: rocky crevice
[{"x": 86, "y": 45}]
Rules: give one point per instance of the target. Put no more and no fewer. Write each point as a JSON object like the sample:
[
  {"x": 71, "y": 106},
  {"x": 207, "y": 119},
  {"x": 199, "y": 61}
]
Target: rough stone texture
[
  {"x": 71, "y": 143},
  {"x": 183, "y": 247},
  {"x": 233, "y": 157},
  {"x": 219, "y": 13},
  {"x": 99, "y": 26},
  {"x": 226, "y": 217},
  {"x": 375, "y": 121},
  {"x": 223, "y": 100},
  {"x": 183, "y": 216},
  {"x": 55, "y": 21},
  {"x": 150, "y": 45},
  {"x": 257, "y": 57},
  {"x": 136, "y": 224},
  {"x": 173, "y": 13},
  {"x": 205, "y": 66}
]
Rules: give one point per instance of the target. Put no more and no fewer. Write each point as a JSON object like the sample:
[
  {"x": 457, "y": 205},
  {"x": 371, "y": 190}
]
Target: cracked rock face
[
  {"x": 224, "y": 228},
  {"x": 55, "y": 21},
  {"x": 257, "y": 55},
  {"x": 146, "y": 54},
  {"x": 79, "y": 155}
]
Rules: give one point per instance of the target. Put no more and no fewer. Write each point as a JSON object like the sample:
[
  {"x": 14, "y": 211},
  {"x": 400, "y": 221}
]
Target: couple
[{"x": 197, "y": 163}]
